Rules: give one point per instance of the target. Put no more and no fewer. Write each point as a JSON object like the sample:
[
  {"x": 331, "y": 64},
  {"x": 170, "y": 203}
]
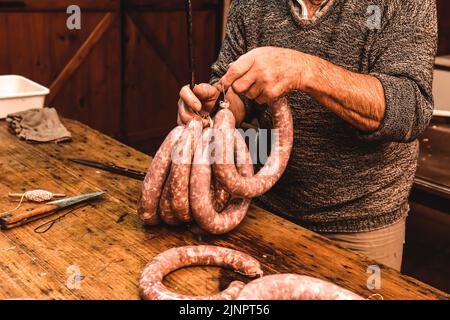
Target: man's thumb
[{"x": 205, "y": 92}]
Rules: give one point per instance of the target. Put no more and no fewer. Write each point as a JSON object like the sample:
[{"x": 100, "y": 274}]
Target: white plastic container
[{"x": 18, "y": 93}]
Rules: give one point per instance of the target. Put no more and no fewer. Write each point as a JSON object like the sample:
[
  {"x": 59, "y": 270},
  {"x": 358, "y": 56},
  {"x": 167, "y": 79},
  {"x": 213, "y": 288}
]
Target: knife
[
  {"x": 20, "y": 217},
  {"x": 138, "y": 175}
]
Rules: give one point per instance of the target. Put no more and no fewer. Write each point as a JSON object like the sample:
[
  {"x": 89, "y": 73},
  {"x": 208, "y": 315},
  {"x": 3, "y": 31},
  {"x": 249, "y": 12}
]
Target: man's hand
[
  {"x": 267, "y": 73},
  {"x": 201, "y": 99},
  {"x": 264, "y": 74}
]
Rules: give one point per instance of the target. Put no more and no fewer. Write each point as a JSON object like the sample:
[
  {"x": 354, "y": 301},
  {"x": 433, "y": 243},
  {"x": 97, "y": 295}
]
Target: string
[
  {"x": 224, "y": 94},
  {"x": 211, "y": 122},
  {"x": 49, "y": 224},
  {"x": 18, "y": 206}
]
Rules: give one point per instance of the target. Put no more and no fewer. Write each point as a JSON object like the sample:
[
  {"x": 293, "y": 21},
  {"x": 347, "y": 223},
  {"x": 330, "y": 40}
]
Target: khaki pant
[{"x": 383, "y": 245}]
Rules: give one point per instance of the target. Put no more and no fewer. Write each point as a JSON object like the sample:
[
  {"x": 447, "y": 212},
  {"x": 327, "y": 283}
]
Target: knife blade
[{"x": 127, "y": 172}]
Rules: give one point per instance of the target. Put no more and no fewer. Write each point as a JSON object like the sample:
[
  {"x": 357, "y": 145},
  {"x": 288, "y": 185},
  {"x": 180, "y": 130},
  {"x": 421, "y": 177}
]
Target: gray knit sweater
[{"x": 340, "y": 179}]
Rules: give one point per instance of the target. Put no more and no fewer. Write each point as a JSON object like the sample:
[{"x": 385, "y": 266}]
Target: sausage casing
[
  {"x": 203, "y": 208},
  {"x": 152, "y": 288},
  {"x": 220, "y": 196},
  {"x": 165, "y": 209},
  {"x": 155, "y": 178},
  {"x": 294, "y": 287},
  {"x": 180, "y": 171},
  {"x": 270, "y": 173}
]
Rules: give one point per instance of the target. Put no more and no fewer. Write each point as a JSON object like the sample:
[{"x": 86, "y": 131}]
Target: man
[{"x": 358, "y": 77}]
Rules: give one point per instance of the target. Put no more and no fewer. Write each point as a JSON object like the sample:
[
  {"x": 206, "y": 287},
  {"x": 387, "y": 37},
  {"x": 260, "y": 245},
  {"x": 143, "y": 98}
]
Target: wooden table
[{"x": 109, "y": 246}]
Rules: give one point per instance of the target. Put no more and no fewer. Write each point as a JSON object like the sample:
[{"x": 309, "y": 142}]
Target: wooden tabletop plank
[{"x": 109, "y": 245}]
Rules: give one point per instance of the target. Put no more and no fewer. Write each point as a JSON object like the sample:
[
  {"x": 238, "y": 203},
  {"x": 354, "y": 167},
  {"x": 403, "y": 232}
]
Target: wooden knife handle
[{"x": 19, "y": 215}]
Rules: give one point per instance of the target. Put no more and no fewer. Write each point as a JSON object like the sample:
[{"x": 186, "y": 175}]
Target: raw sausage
[
  {"x": 165, "y": 209},
  {"x": 202, "y": 207},
  {"x": 180, "y": 171},
  {"x": 154, "y": 180},
  {"x": 294, "y": 287},
  {"x": 220, "y": 196},
  {"x": 225, "y": 170},
  {"x": 152, "y": 288}
]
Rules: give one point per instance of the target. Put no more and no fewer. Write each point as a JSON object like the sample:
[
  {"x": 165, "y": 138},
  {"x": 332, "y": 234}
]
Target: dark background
[{"x": 121, "y": 74}]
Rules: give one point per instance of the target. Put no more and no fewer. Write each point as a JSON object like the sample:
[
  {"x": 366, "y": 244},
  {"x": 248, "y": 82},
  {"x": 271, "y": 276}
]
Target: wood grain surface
[{"x": 110, "y": 246}]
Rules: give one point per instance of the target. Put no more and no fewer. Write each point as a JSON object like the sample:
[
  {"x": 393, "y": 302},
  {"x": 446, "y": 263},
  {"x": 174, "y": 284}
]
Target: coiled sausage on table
[
  {"x": 270, "y": 173},
  {"x": 294, "y": 287},
  {"x": 152, "y": 288},
  {"x": 203, "y": 208},
  {"x": 155, "y": 178}
]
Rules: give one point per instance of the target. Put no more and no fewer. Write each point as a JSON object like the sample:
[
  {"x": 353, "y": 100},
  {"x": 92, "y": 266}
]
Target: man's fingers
[
  {"x": 237, "y": 69},
  {"x": 254, "y": 92},
  {"x": 190, "y": 99},
  {"x": 207, "y": 95},
  {"x": 244, "y": 83},
  {"x": 185, "y": 115},
  {"x": 205, "y": 92}
]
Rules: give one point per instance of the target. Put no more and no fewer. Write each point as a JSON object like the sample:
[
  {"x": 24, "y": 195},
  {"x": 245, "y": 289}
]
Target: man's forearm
[{"x": 356, "y": 98}]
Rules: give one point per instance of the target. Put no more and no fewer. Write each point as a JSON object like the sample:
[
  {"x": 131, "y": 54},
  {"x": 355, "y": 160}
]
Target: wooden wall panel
[
  {"x": 157, "y": 66},
  {"x": 36, "y": 43},
  {"x": 92, "y": 94},
  {"x": 57, "y": 5}
]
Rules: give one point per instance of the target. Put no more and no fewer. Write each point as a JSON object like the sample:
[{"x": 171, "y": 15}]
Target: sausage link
[
  {"x": 270, "y": 173},
  {"x": 220, "y": 196},
  {"x": 181, "y": 170},
  {"x": 165, "y": 209},
  {"x": 154, "y": 180},
  {"x": 152, "y": 288},
  {"x": 294, "y": 287},
  {"x": 202, "y": 207}
]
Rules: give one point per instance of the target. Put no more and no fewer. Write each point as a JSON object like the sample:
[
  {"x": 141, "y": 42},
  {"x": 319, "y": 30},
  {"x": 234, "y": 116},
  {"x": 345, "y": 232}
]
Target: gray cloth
[
  {"x": 38, "y": 125},
  {"x": 340, "y": 179}
]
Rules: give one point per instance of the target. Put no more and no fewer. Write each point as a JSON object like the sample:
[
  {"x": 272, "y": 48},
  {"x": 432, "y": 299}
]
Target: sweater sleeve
[
  {"x": 234, "y": 45},
  {"x": 402, "y": 58}
]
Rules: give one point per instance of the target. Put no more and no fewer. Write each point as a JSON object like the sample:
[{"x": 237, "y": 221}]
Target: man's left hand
[{"x": 267, "y": 73}]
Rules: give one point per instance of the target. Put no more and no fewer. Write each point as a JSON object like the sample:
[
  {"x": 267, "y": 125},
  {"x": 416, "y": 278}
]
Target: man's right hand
[{"x": 201, "y": 99}]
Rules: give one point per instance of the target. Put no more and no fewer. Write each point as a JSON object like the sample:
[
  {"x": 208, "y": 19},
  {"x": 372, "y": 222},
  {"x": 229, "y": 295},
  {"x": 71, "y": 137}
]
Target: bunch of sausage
[
  {"x": 183, "y": 184},
  {"x": 272, "y": 287}
]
